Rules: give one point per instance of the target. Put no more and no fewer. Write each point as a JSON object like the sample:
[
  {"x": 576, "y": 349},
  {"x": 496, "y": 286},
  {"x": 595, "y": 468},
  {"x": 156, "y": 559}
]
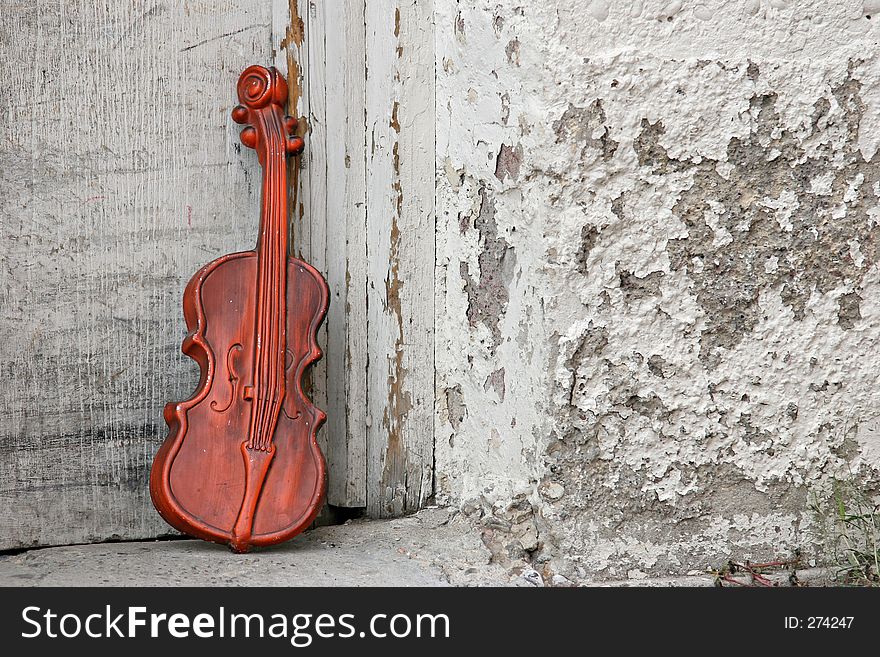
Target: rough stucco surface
[{"x": 658, "y": 287}]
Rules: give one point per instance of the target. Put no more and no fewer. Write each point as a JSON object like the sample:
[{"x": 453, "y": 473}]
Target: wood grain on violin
[{"x": 241, "y": 464}]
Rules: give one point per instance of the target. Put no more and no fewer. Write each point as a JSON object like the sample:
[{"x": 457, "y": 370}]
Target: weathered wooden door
[{"x": 121, "y": 174}]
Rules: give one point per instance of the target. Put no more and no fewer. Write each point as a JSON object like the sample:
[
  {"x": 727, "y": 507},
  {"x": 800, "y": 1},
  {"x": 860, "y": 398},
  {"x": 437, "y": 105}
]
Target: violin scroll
[{"x": 263, "y": 93}]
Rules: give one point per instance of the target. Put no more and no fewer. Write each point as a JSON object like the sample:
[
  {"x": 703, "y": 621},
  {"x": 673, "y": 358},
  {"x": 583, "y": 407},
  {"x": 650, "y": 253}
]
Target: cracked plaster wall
[{"x": 658, "y": 290}]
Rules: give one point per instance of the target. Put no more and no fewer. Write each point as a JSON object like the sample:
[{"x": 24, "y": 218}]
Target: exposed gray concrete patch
[
  {"x": 658, "y": 366},
  {"x": 848, "y": 312},
  {"x": 589, "y": 235},
  {"x": 753, "y": 71},
  {"x": 455, "y": 406},
  {"x": 586, "y": 125},
  {"x": 508, "y": 162},
  {"x": 737, "y": 245},
  {"x": 512, "y": 51},
  {"x": 495, "y": 381},
  {"x": 638, "y": 287},
  {"x": 487, "y": 299}
]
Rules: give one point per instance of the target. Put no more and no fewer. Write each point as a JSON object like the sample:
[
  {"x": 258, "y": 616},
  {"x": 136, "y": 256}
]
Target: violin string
[
  {"x": 282, "y": 271},
  {"x": 276, "y": 301},
  {"x": 260, "y": 397},
  {"x": 270, "y": 357},
  {"x": 256, "y": 372},
  {"x": 258, "y": 409},
  {"x": 271, "y": 285},
  {"x": 265, "y": 308},
  {"x": 273, "y": 310},
  {"x": 279, "y": 315},
  {"x": 278, "y": 287}
]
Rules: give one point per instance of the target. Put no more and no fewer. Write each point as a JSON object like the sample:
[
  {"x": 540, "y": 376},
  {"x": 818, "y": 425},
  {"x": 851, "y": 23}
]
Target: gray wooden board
[
  {"x": 121, "y": 174},
  {"x": 400, "y": 245}
]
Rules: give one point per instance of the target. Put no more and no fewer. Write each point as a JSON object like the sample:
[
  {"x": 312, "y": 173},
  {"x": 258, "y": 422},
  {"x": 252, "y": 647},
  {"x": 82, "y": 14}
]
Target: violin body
[{"x": 241, "y": 464}]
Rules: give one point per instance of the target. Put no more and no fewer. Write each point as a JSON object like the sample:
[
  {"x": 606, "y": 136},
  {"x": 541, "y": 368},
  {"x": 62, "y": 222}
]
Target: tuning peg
[
  {"x": 240, "y": 114},
  {"x": 295, "y": 145},
  {"x": 290, "y": 123},
  {"x": 249, "y": 137}
]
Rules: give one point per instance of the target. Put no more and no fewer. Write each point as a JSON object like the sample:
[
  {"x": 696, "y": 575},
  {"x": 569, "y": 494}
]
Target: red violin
[{"x": 241, "y": 464}]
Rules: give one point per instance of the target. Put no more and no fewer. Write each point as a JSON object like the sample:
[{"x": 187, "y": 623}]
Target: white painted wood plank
[
  {"x": 315, "y": 184},
  {"x": 291, "y": 58},
  {"x": 344, "y": 71},
  {"x": 307, "y": 178},
  {"x": 400, "y": 234}
]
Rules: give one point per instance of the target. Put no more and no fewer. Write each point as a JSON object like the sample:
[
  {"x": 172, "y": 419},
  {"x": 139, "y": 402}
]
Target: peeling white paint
[{"x": 644, "y": 433}]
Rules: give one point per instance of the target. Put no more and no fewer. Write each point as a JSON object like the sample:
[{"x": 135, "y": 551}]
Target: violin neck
[{"x": 273, "y": 235}]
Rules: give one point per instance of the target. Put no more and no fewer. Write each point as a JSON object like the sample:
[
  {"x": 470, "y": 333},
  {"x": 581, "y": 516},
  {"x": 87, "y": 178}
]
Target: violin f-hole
[
  {"x": 288, "y": 359},
  {"x": 233, "y": 377}
]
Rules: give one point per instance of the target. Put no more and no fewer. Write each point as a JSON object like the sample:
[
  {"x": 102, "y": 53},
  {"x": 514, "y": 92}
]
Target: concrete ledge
[
  {"x": 427, "y": 549},
  {"x": 435, "y": 547}
]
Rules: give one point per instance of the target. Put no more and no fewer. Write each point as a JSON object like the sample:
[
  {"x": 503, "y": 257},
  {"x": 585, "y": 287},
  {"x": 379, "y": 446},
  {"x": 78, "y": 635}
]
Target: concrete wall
[{"x": 657, "y": 283}]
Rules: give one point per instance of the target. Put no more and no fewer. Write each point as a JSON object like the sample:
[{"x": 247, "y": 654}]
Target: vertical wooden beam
[
  {"x": 291, "y": 50},
  {"x": 345, "y": 75},
  {"x": 400, "y": 244},
  {"x": 314, "y": 185},
  {"x": 367, "y": 222},
  {"x": 298, "y": 40}
]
